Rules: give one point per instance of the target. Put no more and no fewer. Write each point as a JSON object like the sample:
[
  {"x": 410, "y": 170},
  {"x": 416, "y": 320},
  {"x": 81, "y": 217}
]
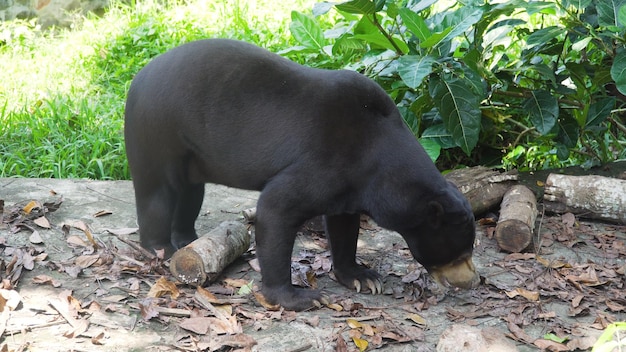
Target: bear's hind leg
[
  {"x": 187, "y": 209},
  {"x": 155, "y": 208}
]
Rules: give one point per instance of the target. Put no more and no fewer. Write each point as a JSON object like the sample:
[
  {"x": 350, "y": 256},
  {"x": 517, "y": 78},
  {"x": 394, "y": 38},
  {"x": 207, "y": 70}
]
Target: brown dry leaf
[
  {"x": 35, "y": 238},
  {"x": 97, "y": 340},
  {"x": 210, "y": 297},
  {"x": 228, "y": 326},
  {"x": 42, "y": 222},
  {"x": 9, "y": 299},
  {"x": 417, "y": 319},
  {"x": 76, "y": 241},
  {"x": 335, "y": 306},
  {"x": 85, "y": 229},
  {"x": 147, "y": 308},
  {"x": 353, "y": 323},
  {"x": 341, "y": 345},
  {"x": 529, "y": 295},
  {"x": 45, "y": 279},
  {"x": 254, "y": 264},
  {"x": 261, "y": 299},
  {"x": 237, "y": 283},
  {"x": 199, "y": 325},
  {"x": 519, "y": 256},
  {"x": 517, "y": 332},
  {"x": 614, "y": 306},
  {"x": 163, "y": 287},
  {"x": 568, "y": 219},
  {"x": 85, "y": 261},
  {"x": 576, "y": 300},
  {"x": 102, "y": 213},
  {"x": 552, "y": 264},
  {"x": 124, "y": 231},
  {"x": 549, "y": 345},
  {"x": 33, "y": 204}
]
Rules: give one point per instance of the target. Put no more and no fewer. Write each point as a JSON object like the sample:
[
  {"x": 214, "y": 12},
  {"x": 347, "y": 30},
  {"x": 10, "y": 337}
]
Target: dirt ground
[{"x": 71, "y": 282}]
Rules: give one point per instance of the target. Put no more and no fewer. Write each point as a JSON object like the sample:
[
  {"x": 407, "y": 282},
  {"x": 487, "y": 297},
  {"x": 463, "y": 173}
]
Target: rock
[{"x": 460, "y": 337}]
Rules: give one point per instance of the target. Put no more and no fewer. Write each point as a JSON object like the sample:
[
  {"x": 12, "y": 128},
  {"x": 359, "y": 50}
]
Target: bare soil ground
[{"x": 72, "y": 282}]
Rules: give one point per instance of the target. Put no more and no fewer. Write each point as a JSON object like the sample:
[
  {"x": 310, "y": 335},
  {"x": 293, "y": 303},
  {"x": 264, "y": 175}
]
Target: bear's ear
[{"x": 435, "y": 214}]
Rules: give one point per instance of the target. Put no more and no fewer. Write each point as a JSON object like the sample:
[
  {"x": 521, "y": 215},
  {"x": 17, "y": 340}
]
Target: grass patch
[{"x": 62, "y": 92}]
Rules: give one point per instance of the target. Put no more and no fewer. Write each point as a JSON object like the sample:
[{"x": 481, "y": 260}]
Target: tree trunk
[
  {"x": 593, "y": 197},
  {"x": 514, "y": 231},
  {"x": 203, "y": 260},
  {"x": 482, "y": 187}
]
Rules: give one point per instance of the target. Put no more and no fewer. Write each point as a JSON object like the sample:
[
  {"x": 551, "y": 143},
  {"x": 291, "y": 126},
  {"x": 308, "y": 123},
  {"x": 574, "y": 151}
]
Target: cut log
[
  {"x": 483, "y": 187},
  {"x": 592, "y": 197},
  {"x": 203, "y": 260},
  {"x": 518, "y": 212}
]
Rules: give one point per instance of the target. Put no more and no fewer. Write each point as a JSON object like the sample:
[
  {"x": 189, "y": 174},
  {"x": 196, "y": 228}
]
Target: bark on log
[
  {"x": 483, "y": 187},
  {"x": 593, "y": 197},
  {"x": 203, "y": 260},
  {"x": 518, "y": 212}
]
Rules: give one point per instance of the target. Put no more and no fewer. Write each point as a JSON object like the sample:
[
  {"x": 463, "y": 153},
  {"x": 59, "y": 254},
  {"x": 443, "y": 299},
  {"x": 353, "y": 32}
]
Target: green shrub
[{"x": 522, "y": 84}]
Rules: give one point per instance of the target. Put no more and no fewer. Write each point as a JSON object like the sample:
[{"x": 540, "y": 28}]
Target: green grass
[{"x": 62, "y": 91}]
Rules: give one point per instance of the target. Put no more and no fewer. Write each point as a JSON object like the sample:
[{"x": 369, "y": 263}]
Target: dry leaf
[
  {"x": 199, "y": 325},
  {"x": 102, "y": 213},
  {"x": 341, "y": 345},
  {"x": 45, "y": 279},
  {"x": 30, "y": 206},
  {"x": 42, "y": 222},
  {"x": 417, "y": 319},
  {"x": 85, "y": 261},
  {"x": 261, "y": 299},
  {"x": 549, "y": 345},
  {"x": 97, "y": 340},
  {"x": 147, "y": 309},
  {"x": 124, "y": 231},
  {"x": 163, "y": 287},
  {"x": 360, "y": 344},
  {"x": 529, "y": 295},
  {"x": 9, "y": 299},
  {"x": 35, "y": 238}
]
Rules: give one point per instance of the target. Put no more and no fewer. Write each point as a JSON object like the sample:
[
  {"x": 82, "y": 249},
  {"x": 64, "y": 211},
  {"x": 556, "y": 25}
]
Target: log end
[
  {"x": 187, "y": 267},
  {"x": 513, "y": 235}
]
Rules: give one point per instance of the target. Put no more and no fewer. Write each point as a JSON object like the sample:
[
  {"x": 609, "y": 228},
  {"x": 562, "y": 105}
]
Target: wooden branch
[
  {"x": 482, "y": 187},
  {"x": 593, "y": 197},
  {"x": 518, "y": 212},
  {"x": 203, "y": 260}
]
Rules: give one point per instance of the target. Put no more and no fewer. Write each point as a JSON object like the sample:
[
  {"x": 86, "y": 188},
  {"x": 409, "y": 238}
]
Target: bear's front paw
[
  {"x": 360, "y": 278},
  {"x": 292, "y": 298}
]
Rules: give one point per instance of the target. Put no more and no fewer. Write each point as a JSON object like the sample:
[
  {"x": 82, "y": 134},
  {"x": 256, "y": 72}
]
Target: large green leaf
[
  {"x": 568, "y": 131},
  {"x": 543, "y": 109},
  {"x": 600, "y": 111},
  {"x": 544, "y": 35},
  {"x": 357, "y": 6},
  {"x": 439, "y": 134},
  {"x": 618, "y": 71},
  {"x": 414, "y": 68},
  {"x": 460, "y": 20},
  {"x": 306, "y": 31},
  {"x": 432, "y": 148},
  {"x": 459, "y": 108},
  {"x": 415, "y": 23},
  {"x": 608, "y": 12}
]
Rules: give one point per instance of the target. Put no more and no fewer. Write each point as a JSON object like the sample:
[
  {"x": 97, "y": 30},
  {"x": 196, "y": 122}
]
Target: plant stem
[{"x": 375, "y": 21}]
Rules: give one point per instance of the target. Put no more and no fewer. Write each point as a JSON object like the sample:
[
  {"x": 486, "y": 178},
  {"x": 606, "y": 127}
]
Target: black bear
[{"x": 314, "y": 142}]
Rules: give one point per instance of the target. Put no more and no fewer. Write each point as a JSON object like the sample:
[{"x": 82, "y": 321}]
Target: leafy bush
[{"x": 526, "y": 84}]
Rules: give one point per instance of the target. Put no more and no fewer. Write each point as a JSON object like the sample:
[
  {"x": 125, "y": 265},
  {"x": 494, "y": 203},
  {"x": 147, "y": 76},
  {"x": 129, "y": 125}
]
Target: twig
[{"x": 136, "y": 247}]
